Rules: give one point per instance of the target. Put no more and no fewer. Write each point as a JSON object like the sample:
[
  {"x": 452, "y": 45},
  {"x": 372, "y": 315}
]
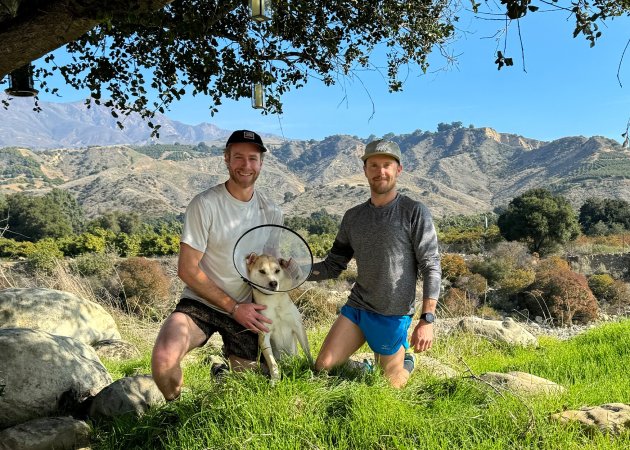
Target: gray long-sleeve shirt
[{"x": 392, "y": 246}]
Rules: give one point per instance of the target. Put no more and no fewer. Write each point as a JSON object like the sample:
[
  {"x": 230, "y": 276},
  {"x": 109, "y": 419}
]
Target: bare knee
[{"x": 325, "y": 361}]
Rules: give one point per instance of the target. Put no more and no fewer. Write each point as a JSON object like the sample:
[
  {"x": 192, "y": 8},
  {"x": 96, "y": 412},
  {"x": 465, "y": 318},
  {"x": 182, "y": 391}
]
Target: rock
[
  {"x": 127, "y": 395},
  {"x": 116, "y": 349},
  {"x": 435, "y": 367},
  {"x": 56, "y": 312},
  {"x": 44, "y": 374},
  {"x": 504, "y": 331},
  {"x": 613, "y": 418},
  {"x": 58, "y": 433},
  {"x": 522, "y": 383}
]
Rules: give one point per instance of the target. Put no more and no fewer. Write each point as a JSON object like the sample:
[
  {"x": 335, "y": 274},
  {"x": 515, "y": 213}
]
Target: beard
[
  {"x": 243, "y": 181},
  {"x": 382, "y": 186}
]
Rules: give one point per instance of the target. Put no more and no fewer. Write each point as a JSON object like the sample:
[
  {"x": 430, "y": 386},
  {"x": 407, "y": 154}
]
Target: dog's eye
[
  {"x": 262, "y": 271},
  {"x": 277, "y": 270}
]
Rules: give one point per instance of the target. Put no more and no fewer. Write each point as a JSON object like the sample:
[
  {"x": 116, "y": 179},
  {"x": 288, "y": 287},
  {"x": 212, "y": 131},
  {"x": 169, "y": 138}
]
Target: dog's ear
[
  {"x": 283, "y": 263},
  {"x": 251, "y": 258}
]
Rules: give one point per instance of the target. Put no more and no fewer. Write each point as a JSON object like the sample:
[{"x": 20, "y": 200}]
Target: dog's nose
[{"x": 273, "y": 284}]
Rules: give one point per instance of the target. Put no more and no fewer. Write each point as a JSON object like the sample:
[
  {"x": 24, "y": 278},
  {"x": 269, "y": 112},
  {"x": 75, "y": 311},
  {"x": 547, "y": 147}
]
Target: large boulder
[
  {"x": 116, "y": 349},
  {"x": 56, "y": 312},
  {"x": 498, "y": 330},
  {"x": 43, "y": 374},
  {"x": 522, "y": 383},
  {"x": 128, "y": 395},
  {"x": 58, "y": 433},
  {"x": 613, "y": 418}
]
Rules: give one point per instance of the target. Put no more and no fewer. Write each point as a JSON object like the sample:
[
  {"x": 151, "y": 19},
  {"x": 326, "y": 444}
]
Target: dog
[{"x": 273, "y": 275}]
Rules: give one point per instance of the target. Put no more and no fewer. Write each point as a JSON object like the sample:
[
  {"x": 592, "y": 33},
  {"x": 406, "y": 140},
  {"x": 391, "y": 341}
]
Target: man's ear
[{"x": 251, "y": 259}]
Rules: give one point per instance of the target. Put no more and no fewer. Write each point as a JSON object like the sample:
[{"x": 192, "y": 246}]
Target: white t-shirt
[{"x": 213, "y": 223}]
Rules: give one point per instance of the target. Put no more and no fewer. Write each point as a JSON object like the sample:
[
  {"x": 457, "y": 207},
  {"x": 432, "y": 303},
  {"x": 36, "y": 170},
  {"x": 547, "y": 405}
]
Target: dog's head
[{"x": 268, "y": 272}]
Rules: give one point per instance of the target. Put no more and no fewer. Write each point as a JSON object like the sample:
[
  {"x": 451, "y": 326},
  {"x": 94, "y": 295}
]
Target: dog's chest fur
[{"x": 285, "y": 316}]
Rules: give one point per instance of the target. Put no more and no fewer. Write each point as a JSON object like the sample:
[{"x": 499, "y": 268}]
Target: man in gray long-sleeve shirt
[{"x": 393, "y": 240}]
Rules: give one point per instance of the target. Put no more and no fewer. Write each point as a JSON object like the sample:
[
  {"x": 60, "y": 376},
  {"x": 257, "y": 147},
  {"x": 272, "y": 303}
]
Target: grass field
[{"x": 355, "y": 411}]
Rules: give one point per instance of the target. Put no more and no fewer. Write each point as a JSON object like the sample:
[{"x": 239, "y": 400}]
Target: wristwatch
[{"x": 427, "y": 317}]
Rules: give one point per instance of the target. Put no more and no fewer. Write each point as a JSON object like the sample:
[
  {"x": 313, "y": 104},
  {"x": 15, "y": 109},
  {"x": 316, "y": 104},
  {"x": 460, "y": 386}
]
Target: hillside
[{"x": 454, "y": 171}]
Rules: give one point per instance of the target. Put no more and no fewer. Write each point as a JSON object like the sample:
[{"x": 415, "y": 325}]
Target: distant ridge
[
  {"x": 74, "y": 125},
  {"x": 456, "y": 170}
]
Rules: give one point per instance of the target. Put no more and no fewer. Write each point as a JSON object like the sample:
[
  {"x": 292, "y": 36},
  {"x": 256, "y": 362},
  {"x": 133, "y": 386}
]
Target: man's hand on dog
[
  {"x": 422, "y": 337},
  {"x": 247, "y": 315}
]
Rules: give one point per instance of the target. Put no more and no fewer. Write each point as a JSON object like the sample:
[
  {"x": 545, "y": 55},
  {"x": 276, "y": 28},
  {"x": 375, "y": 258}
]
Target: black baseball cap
[{"x": 246, "y": 136}]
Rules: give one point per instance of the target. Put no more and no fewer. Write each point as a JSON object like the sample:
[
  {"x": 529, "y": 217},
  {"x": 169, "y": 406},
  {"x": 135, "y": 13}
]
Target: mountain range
[{"x": 455, "y": 170}]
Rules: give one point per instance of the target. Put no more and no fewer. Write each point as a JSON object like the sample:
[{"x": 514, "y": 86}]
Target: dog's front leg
[{"x": 264, "y": 342}]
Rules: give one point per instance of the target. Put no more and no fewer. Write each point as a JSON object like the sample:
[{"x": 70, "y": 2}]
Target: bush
[
  {"x": 456, "y": 303},
  {"x": 600, "y": 285},
  {"x": 154, "y": 244},
  {"x": 99, "y": 265},
  {"x": 145, "y": 288},
  {"x": 474, "y": 284},
  {"x": 44, "y": 256},
  {"x": 453, "y": 266},
  {"x": 560, "y": 294},
  {"x": 618, "y": 297},
  {"x": 320, "y": 244}
]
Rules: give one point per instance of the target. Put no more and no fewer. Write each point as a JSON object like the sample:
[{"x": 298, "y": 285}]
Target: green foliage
[
  {"x": 92, "y": 242},
  {"x": 52, "y": 215},
  {"x": 468, "y": 234},
  {"x": 600, "y": 284},
  {"x": 602, "y": 216},
  {"x": 320, "y": 244},
  {"x": 13, "y": 163},
  {"x": 540, "y": 219},
  {"x": 44, "y": 256},
  {"x": 302, "y": 38},
  {"x": 127, "y": 245},
  {"x": 319, "y": 222},
  {"x": 99, "y": 265},
  {"x": 344, "y": 411},
  {"x": 10, "y": 248},
  {"x": 159, "y": 244},
  {"x": 117, "y": 222}
]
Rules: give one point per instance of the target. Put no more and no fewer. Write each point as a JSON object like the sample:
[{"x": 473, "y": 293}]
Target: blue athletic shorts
[{"x": 384, "y": 334}]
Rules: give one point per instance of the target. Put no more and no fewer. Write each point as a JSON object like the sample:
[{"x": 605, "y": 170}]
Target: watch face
[{"x": 427, "y": 317}]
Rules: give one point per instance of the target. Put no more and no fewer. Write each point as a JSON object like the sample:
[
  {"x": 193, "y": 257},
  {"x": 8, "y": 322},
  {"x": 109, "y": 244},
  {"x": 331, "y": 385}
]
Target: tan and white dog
[{"x": 286, "y": 329}]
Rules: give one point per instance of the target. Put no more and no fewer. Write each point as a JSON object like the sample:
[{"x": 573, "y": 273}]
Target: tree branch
[{"x": 36, "y": 31}]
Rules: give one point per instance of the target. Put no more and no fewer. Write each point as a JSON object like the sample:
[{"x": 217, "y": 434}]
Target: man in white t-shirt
[{"x": 215, "y": 298}]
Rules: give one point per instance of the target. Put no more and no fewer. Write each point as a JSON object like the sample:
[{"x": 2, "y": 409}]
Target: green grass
[{"x": 344, "y": 411}]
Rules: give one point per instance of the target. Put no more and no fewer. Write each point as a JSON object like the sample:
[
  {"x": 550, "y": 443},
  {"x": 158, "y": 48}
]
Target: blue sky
[{"x": 569, "y": 89}]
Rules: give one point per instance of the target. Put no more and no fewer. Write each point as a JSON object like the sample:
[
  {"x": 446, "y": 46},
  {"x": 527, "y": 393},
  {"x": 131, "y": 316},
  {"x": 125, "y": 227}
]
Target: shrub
[
  {"x": 99, "y": 265},
  {"x": 560, "y": 294},
  {"x": 320, "y": 244},
  {"x": 159, "y": 244},
  {"x": 453, "y": 266},
  {"x": 618, "y": 297},
  {"x": 13, "y": 249},
  {"x": 473, "y": 283},
  {"x": 84, "y": 243},
  {"x": 145, "y": 288},
  {"x": 456, "y": 302},
  {"x": 600, "y": 285},
  {"x": 44, "y": 256},
  {"x": 127, "y": 245}
]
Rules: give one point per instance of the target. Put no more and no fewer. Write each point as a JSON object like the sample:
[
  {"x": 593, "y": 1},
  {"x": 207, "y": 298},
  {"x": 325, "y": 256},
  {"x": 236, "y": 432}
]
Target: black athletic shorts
[{"x": 237, "y": 340}]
